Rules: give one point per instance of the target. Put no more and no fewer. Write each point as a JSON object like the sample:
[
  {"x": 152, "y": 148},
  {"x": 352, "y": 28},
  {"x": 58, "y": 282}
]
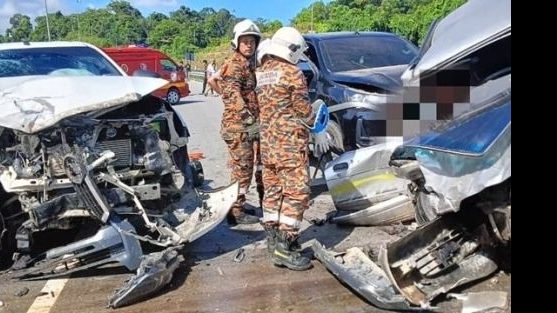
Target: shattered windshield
[
  {"x": 60, "y": 61},
  {"x": 359, "y": 52}
]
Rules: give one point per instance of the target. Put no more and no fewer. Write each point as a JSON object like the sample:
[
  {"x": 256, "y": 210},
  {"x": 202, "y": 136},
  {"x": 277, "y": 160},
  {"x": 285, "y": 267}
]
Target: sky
[{"x": 282, "y": 10}]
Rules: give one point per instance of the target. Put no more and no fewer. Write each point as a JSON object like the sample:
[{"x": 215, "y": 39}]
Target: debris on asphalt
[
  {"x": 481, "y": 301},
  {"x": 240, "y": 255},
  {"x": 22, "y": 292}
]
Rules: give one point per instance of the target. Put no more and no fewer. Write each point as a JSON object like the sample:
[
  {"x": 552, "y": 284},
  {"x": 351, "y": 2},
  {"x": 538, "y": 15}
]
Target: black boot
[
  {"x": 271, "y": 231},
  {"x": 285, "y": 254},
  {"x": 241, "y": 218}
]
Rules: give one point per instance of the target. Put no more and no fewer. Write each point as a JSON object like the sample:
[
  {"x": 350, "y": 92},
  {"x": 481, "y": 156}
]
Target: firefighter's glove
[{"x": 320, "y": 143}]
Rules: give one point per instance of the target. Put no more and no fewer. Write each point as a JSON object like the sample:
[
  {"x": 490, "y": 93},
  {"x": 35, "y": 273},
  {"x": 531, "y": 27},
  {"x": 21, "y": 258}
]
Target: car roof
[
  {"x": 471, "y": 26},
  {"x": 335, "y": 35},
  {"x": 58, "y": 44},
  {"x": 42, "y": 44}
]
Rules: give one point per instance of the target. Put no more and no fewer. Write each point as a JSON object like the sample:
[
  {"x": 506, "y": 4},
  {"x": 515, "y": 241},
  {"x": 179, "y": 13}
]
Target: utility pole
[
  {"x": 311, "y": 28},
  {"x": 78, "y": 30},
  {"x": 47, "y": 26}
]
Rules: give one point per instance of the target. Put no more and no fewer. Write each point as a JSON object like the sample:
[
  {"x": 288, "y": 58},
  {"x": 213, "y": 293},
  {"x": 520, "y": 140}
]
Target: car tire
[
  {"x": 334, "y": 133},
  {"x": 173, "y": 96}
]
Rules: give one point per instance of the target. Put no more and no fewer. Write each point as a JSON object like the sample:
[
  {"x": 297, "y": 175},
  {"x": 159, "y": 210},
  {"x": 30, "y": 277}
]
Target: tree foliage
[
  {"x": 187, "y": 30},
  {"x": 408, "y": 18}
]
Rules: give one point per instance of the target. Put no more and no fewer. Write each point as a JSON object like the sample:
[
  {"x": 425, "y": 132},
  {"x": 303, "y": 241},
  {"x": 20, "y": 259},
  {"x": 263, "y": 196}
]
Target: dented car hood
[
  {"x": 34, "y": 103},
  {"x": 474, "y": 25},
  {"x": 385, "y": 78}
]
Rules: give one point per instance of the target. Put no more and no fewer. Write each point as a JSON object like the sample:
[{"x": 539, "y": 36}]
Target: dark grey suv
[{"x": 356, "y": 74}]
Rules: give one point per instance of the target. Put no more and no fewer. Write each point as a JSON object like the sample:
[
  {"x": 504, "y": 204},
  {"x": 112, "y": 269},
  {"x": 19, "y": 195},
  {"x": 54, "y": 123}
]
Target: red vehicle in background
[{"x": 147, "y": 60}]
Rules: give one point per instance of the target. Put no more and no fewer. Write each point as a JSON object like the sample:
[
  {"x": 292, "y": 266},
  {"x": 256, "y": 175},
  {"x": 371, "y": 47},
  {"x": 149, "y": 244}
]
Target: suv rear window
[{"x": 64, "y": 61}]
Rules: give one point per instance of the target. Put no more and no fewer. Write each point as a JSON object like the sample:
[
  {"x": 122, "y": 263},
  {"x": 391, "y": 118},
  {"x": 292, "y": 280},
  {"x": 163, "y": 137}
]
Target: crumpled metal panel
[
  {"x": 360, "y": 178},
  {"x": 365, "y": 277},
  {"x": 421, "y": 266},
  {"x": 394, "y": 210},
  {"x": 154, "y": 272},
  {"x": 209, "y": 214},
  {"x": 473, "y": 25},
  {"x": 33, "y": 103}
]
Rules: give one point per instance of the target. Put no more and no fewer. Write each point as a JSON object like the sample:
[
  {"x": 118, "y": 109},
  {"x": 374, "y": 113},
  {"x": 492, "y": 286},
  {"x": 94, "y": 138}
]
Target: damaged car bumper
[
  {"x": 355, "y": 269},
  {"x": 365, "y": 189}
]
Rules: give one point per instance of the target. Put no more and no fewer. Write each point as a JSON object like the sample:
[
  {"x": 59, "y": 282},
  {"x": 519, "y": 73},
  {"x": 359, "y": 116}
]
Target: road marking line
[{"x": 49, "y": 294}]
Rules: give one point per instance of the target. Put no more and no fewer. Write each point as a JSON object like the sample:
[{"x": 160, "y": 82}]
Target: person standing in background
[
  {"x": 188, "y": 70},
  {"x": 210, "y": 72},
  {"x": 205, "y": 77}
]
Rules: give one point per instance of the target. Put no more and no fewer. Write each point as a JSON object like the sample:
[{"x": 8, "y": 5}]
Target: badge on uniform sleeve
[{"x": 268, "y": 78}]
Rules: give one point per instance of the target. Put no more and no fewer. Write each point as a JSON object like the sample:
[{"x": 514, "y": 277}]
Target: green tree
[
  {"x": 268, "y": 27},
  {"x": 408, "y": 18},
  {"x": 153, "y": 19},
  {"x": 315, "y": 18},
  {"x": 21, "y": 28},
  {"x": 218, "y": 24},
  {"x": 164, "y": 33},
  {"x": 121, "y": 7},
  {"x": 185, "y": 15},
  {"x": 59, "y": 24}
]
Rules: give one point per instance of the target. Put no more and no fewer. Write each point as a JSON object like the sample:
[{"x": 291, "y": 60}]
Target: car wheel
[
  {"x": 173, "y": 96},
  {"x": 335, "y": 136}
]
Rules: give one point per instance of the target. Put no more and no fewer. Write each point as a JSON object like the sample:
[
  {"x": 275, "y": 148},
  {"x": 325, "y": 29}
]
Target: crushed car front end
[{"x": 101, "y": 160}]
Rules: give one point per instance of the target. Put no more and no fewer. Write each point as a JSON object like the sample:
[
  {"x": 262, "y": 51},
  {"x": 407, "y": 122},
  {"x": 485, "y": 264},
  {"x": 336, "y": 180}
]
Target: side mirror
[{"x": 146, "y": 73}]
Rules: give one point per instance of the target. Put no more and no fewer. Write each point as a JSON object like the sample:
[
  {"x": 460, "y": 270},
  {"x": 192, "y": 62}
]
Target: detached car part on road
[
  {"x": 459, "y": 173},
  {"x": 99, "y": 159}
]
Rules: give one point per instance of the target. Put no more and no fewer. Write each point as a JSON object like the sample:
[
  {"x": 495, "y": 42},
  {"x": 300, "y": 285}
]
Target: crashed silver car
[
  {"x": 458, "y": 173},
  {"x": 94, "y": 170},
  {"x": 452, "y": 62}
]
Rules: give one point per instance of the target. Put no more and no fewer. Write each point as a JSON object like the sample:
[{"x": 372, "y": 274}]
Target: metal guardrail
[{"x": 196, "y": 75}]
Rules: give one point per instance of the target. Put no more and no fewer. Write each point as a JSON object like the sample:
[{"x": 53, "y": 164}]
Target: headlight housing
[{"x": 370, "y": 115}]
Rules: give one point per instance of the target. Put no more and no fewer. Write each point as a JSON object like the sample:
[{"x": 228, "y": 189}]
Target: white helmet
[
  {"x": 287, "y": 43},
  {"x": 263, "y": 49},
  {"x": 245, "y": 27}
]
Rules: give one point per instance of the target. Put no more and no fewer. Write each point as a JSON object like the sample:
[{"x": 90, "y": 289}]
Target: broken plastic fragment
[
  {"x": 481, "y": 301},
  {"x": 155, "y": 272}
]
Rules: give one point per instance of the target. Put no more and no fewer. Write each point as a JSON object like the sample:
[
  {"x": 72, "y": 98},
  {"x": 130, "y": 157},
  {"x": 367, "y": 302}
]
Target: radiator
[{"x": 122, "y": 148}]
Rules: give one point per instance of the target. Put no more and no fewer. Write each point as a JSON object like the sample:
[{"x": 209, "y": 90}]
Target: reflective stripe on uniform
[
  {"x": 283, "y": 219},
  {"x": 270, "y": 217}
]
